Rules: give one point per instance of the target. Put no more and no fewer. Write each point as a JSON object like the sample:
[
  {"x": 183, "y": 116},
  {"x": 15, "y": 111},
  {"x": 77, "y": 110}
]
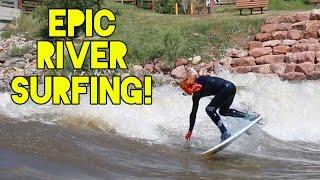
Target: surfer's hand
[{"x": 188, "y": 136}]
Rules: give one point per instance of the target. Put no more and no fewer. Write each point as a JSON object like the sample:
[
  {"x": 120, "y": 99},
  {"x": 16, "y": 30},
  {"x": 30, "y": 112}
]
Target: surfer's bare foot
[{"x": 225, "y": 136}]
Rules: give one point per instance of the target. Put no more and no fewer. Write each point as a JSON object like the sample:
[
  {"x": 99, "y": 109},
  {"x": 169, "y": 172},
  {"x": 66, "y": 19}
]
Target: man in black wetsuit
[{"x": 223, "y": 91}]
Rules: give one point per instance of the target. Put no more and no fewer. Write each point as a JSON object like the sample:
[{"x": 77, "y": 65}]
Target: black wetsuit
[{"x": 223, "y": 91}]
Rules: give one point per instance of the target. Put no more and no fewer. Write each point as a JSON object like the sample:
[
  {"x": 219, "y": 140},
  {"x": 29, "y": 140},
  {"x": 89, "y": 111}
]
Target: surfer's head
[{"x": 189, "y": 84}]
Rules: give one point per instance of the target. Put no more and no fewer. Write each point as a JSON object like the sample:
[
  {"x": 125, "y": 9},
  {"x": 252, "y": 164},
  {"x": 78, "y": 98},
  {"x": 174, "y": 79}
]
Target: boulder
[
  {"x": 242, "y": 69},
  {"x": 314, "y": 47},
  {"x": 268, "y": 59},
  {"x": 272, "y": 20},
  {"x": 301, "y": 26},
  {"x": 267, "y": 28},
  {"x": 300, "y": 57},
  {"x": 302, "y": 16},
  {"x": 196, "y": 60},
  {"x": 312, "y": 25},
  {"x": 318, "y": 57},
  {"x": 263, "y": 37},
  {"x": 289, "y": 42},
  {"x": 288, "y": 18},
  {"x": 234, "y": 53},
  {"x": 314, "y": 75},
  {"x": 295, "y": 34},
  {"x": 293, "y": 76},
  {"x": 244, "y": 61},
  {"x": 179, "y": 72},
  {"x": 284, "y": 27},
  {"x": 310, "y": 34},
  {"x": 305, "y": 68},
  {"x": 290, "y": 68},
  {"x": 291, "y": 58},
  {"x": 279, "y": 35},
  {"x": 309, "y": 41},
  {"x": 149, "y": 67},
  {"x": 181, "y": 61},
  {"x": 257, "y": 52},
  {"x": 137, "y": 68},
  {"x": 225, "y": 60},
  {"x": 315, "y": 14},
  {"x": 317, "y": 67},
  {"x": 271, "y": 43},
  {"x": 299, "y": 47},
  {"x": 307, "y": 56},
  {"x": 254, "y": 44},
  {"x": 263, "y": 69},
  {"x": 278, "y": 68},
  {"x": 280, "y": 49}
]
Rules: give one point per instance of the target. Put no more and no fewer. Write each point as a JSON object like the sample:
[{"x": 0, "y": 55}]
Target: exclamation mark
[{"x": 147, "y": 90}]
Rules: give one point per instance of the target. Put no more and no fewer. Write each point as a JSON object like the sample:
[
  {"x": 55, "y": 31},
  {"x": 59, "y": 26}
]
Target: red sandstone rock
[
  {"x": 314, "y": 75},
  {"x": 284, "y": 27},
  {"x": 271, "y": 43},
  {"x": 293, "y": 76},
  {"x": 314, "y": 47},
  {"x": 273, "y": 20},
  {"x": 245, "y": 61},
  {"x": 267, "y": 28},
  {"x": 263, "y": 37},
  {"x": 234, "y": 53},
  {"x": 312, "y": 25},
  {"x": 309, "y": 41},
  {"x": 242, "y": 69},
  {"x": 310, "y": 34},
  {"x": 306, "y": 68},
  {"x": 263, "y": 69},
  {"x": 278, "y": 68},
  {"x": 179, "y": 72},
  {"x": 299, "y": 47},
  {"x": 301, "y": 26},
  {"x": 268, "y": 59},
  {"x": 309, "y": 56},
  {"x": 280, "y": 49},
  {"x": 254, "y": 44},
  {"x": 182, "y": 61},
  {"x": 288, "y": 19},
  {"x": 302, "y": 16},
  {"x": 317, "y": 67},
  {"x": 300, "y": 57},
  {"x": 295, "y": 34},
  {"x": 279, "y": 35},
  {"x": 290, "y": 68},
  {"x": 291, "y": 58},
  {"x": 257, "y": 52}
]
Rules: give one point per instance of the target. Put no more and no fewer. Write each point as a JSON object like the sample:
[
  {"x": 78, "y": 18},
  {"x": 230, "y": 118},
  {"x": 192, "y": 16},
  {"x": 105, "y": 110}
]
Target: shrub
[{"x": 20, "y": 51}]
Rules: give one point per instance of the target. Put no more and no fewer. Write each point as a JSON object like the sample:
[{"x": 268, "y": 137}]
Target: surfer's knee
[
  {"x": 210, "y": 110},
  {"x": 223, "y": 112}
]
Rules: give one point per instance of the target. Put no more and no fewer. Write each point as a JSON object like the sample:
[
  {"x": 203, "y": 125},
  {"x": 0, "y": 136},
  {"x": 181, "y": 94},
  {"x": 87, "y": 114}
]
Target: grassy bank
[{"x": 150, "y": 35}]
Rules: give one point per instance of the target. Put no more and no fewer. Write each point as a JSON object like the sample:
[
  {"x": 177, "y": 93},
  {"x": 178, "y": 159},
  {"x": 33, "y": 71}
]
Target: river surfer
[{"x": 224, "y": 92}]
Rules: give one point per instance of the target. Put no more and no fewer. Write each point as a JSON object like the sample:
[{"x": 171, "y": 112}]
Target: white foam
[{"x": 291, "y": 111}]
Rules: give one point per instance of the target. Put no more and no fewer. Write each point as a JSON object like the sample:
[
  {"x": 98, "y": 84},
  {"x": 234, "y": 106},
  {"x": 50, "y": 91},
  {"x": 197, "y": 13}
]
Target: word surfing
[{"x": 103, "y": 55}]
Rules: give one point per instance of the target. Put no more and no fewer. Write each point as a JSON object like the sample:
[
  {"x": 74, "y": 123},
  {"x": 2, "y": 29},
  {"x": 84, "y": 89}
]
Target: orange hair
[{"x": 187, "y": 84}]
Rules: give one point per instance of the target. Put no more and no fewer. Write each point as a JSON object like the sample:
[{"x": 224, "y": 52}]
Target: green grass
[{"x": 150, "y": 35}]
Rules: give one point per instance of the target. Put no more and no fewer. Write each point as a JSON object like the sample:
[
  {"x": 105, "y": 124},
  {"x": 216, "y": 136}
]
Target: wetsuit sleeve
[{"x": 193, "y": 113}]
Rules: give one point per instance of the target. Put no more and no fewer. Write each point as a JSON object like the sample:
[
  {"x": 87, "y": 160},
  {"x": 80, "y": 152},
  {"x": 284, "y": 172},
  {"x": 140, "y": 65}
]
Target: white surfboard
[{"x": 228, "y": 141}]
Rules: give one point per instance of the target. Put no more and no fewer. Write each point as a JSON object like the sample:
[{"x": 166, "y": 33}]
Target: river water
[{"x": 134, "y": 142}]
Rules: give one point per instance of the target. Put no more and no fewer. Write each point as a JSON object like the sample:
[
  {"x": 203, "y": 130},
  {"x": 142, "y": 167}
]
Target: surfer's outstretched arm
[{"x": 193, "y": 115}]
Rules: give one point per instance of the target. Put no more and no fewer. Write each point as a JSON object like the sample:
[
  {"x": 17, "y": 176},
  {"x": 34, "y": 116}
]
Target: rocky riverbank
[{"x": 287, "y": 46}]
